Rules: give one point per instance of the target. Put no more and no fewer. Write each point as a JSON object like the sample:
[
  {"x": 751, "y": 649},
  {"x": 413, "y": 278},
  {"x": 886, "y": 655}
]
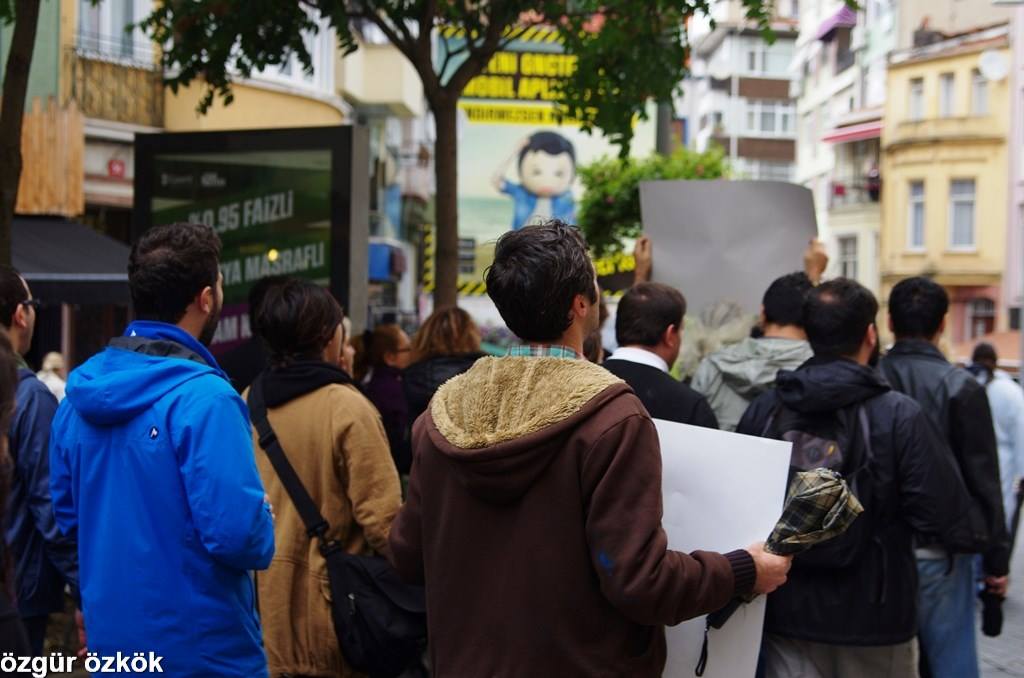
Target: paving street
[{"x": 1004, "y": 656}]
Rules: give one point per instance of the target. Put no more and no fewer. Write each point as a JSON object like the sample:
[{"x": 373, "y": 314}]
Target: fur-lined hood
[{"x": 502, "y": 421}]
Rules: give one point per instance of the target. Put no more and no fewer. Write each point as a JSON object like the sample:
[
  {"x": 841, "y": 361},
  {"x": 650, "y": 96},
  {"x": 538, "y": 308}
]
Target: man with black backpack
[
  {"x": 958, "y": 406},
  {"x": 850, "y": 607}
]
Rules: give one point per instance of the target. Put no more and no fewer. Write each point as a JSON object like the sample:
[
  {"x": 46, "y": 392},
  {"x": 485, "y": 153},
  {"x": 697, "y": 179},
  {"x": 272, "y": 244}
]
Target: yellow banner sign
[{"x": 514, "y": 114}]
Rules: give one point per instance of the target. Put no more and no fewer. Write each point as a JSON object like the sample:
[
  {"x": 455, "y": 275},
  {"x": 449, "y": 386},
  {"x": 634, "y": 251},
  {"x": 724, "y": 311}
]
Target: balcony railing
[
  {"x": 122, "y": 86},
  {"x": 855, "y": 189}
]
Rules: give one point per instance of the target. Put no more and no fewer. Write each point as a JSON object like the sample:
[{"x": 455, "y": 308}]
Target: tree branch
[
  {"x": 477, "y": 60},
  {"x": 448, "y": 55},
  {"x": 403, "y": 46}
]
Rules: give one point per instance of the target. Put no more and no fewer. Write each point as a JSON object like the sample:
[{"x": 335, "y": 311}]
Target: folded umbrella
[{"x": 819, "y": 506}]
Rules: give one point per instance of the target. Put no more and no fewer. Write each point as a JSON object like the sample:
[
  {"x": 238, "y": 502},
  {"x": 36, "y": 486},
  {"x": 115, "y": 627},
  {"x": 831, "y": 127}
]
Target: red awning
[
  {"x": 865, "y": 130},
  {"x": 844, "y": 18}
]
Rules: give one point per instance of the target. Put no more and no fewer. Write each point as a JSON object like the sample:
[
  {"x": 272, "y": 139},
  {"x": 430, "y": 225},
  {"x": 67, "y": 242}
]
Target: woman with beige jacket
[{"x": 334, "y": 439}]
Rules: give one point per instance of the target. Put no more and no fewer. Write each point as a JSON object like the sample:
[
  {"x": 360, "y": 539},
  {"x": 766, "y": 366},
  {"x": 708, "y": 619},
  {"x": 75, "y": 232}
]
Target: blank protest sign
[
  {"x": 726, "y": 240},
  {"x": 721, "y": 491}
]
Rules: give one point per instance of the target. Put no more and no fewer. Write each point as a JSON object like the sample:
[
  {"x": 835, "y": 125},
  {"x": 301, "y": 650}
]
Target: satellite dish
[{"x": 993, "y": 65}]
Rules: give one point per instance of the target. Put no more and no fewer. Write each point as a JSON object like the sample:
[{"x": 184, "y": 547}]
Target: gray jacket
[{"x": 733, "y": 376}]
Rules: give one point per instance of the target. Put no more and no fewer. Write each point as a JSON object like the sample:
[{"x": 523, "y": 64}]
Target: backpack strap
[
  {"x": 769, "y": 424},
  {"x": 316, "y": 525},
  {"x": 865, "y": 431}
]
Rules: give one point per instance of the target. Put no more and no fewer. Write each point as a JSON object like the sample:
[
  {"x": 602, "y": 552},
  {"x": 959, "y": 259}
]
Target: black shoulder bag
[{"x": 380, "y": 621}]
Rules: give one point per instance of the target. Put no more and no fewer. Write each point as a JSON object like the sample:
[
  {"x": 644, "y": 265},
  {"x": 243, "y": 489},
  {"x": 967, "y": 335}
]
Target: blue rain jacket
[{"x": 152, "y": 468}]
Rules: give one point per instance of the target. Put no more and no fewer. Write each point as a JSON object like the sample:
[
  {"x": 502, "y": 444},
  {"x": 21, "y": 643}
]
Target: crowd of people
[{"x": 523, "y": 491}]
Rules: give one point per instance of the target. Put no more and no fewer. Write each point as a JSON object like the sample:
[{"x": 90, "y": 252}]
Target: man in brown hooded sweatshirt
[{"x": 534, "y": 508}]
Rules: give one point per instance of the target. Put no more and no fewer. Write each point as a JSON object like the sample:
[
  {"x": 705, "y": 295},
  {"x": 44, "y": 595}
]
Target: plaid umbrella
[{"x": 819, "y": 507}]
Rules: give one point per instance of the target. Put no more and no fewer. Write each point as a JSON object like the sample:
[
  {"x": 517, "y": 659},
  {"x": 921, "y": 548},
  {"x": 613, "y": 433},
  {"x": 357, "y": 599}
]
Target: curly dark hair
[
  {"x": 297, "y": 320},
  {"x": 169, "y": 266},
  {"x": 537, "y": 273}
]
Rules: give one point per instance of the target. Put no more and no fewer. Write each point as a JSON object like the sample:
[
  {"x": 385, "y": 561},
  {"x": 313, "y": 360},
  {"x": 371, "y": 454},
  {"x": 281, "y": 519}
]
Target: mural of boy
[{"x": 547, "y": 168}]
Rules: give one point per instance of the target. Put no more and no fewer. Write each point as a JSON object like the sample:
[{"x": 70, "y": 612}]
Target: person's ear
[
  {"x": 581, "y": 305},
  {"x": 207, "y": 300},
  {"x": 889, "y": 319},
  {"x": 763, "y": 319},
  {"x": 20, "y": 317},
  {"x": 942, "y": 325},
  {"x": 872, "y": 336},
  {"x": 670, "y": 337}
]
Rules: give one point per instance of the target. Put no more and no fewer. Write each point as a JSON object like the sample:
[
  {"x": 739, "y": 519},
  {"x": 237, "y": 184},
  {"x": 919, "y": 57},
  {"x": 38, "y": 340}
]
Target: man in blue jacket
[
  {"x": 152, "y": 468},
  {"x": 45, "y": 560}
]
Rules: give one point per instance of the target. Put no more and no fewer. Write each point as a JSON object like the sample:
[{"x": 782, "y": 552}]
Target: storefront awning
[
  {"x": 866, "y": 130},
  {"x": 69, "y": 263},
  {"x": 844, "y": 18}
]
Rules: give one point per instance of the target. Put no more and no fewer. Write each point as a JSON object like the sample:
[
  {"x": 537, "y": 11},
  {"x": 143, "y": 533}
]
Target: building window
[
  {"x": 947, "y": 89},
  {"x": 981, "y": 318},
  {"x": 103, "y": 29},
  {"x": 844, "y": 55},
  {"x": 979, "y": 93},
  {"x": 755, "y": 59},
  {"x": 768, "y": 60},
  {"x": 848, "y": 257},
  {"x": 915, "y": 220},
  {"x": 961, "y": 214},
  {"x": 769, "y": 118},
  {"x": 766, "y": 170},
  {"x": 916, "y": 104}
]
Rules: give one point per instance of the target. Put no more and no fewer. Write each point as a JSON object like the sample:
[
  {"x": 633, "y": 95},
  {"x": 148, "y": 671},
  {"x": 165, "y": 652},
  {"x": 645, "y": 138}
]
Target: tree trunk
[
  {"x": 446, "y": 202},
  {"x": 12, "y": 111}
]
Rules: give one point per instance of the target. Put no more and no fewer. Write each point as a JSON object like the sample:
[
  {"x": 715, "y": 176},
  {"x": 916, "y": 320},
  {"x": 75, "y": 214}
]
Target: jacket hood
[
  {"x": 749, "y": 368},
  {"x": 503, "y": 421},
  {"x": 134, "y": 372},
  {"x": 826, "y": 385}
]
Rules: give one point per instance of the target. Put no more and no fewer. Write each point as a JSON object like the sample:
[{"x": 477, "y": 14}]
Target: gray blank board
[{"x": 726, "y": 240}]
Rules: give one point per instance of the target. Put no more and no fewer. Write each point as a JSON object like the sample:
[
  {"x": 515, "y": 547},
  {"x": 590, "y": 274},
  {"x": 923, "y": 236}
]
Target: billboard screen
[
  {"x": 270, "y": 209},
  {"x": 277, "y": 199}
]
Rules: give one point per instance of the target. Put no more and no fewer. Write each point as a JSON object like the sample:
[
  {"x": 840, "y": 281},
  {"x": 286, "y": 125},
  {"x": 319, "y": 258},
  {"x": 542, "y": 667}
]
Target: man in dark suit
[{"x": 649, "y": 331}]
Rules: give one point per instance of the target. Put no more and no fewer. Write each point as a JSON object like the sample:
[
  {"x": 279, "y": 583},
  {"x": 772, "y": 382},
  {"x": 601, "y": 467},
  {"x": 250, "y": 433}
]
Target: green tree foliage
[{"x": 610, "y": 209}]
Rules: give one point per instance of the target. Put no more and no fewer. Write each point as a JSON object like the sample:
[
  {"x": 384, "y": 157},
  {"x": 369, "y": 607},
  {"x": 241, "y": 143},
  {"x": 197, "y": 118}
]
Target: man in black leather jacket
[
  {"x": 857, "y": 616},
  {"x": 958, "y": 406}
]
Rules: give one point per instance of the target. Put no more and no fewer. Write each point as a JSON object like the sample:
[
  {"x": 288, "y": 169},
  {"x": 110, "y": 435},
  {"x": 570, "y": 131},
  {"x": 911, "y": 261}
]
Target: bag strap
[{"x": 316, "y": 525}]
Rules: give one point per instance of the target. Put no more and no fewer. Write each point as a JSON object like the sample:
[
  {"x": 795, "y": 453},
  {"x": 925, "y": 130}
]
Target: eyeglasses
[{"x": 34, "y": 303}]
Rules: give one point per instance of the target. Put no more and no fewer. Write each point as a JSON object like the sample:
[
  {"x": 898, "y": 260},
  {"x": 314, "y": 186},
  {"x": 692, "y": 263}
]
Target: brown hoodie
[{"x": 534, "y": 519}]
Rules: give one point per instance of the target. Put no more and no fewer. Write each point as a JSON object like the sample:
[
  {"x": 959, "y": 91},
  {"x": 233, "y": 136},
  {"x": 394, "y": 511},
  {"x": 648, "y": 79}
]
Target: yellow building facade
[{"x": 945, "y": 163}]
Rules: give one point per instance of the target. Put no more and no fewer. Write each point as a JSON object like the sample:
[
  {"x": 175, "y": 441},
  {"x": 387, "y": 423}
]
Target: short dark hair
[
  {"x": 783, "y": 301},
  {"x": 551, "y": 143},
  {"x": 646, "y": 311},
  {"x": 169, "y": 266},
  {"x": 837, "y": 314},
  {"x": 984, "y": 352},
  {"x": 917, "y": 307},
  {"x": 12, "y": 293},
  {"x": 297, "y": 319},
  {"x": 537, "y": 272}
]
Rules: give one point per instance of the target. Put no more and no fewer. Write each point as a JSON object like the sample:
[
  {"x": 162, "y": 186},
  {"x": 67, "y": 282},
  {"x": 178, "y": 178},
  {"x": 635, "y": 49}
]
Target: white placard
[{"x": 721, "y": 491}]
